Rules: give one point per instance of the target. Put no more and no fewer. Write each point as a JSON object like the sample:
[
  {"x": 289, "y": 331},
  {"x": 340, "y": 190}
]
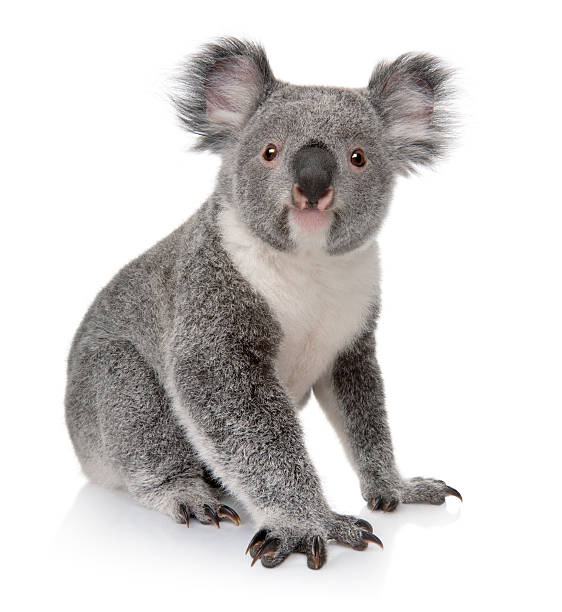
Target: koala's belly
[
  {"x": 306, "y": 352},
  {"x": 321, "y": 311}
]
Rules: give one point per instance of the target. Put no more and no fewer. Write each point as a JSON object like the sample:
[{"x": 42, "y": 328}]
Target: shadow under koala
[{"x": 107, "y": 525}]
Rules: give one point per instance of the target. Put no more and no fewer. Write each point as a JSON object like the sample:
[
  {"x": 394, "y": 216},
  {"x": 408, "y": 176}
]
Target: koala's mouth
[
  {"x": 311, "y": 213},
  {"x": 311, "y": 218}
]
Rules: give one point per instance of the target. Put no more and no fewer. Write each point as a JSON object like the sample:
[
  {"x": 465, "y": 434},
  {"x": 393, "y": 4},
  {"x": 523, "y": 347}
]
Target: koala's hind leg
[{"x": 126, "y": 435}]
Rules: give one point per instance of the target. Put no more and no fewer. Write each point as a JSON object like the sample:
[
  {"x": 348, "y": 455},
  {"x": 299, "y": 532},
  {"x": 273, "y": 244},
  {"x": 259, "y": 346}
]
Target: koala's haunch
[{"x": 187, "y": 372}]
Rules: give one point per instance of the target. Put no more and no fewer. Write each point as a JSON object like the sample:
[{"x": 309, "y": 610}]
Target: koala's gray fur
[{"x": 174, "y": 388}]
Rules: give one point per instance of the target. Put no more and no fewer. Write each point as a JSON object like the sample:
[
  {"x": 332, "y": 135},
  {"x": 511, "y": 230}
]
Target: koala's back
[
  {"x": 136, "y": 305},
  {"x": 120, "y": 343}
]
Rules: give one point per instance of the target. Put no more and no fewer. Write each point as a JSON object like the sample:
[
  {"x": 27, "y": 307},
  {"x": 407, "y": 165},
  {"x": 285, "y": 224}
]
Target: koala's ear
[
  {"x": 412, "y": 95},
  {"x": 221, "y": 88}
]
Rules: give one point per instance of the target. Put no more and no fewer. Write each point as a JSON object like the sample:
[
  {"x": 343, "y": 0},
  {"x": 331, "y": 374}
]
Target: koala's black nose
[{"x": 314, "y": 167}]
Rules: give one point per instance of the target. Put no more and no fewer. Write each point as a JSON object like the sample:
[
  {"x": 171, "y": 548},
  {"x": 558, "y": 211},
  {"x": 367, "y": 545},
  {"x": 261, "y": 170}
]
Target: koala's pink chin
[{"x": 311, "y": 218}]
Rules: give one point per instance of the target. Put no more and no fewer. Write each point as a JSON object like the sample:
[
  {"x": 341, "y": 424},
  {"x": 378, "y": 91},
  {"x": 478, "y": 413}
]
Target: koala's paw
[
  {"x": 412, "y": 491},
  {"x": 185, "y": 498},
  {"x": 199, "y": 502},
  {"x": 427, "y": 491},
  {"x": 352, "y": 531},
  {"x": 205, "y": 513},
  {"x": 272, "y": 546}
]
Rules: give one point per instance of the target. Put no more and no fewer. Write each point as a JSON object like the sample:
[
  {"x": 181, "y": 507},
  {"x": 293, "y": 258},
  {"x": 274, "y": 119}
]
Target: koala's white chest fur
[{"x": 320, "y": 301}]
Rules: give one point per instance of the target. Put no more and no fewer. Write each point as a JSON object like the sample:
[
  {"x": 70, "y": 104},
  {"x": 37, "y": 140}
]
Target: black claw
[
  {"x": 258, "y": 537},
  {"x": 267, "y": 546},
  {"x": 363, "y": 524},
  {"x": 317, "y": 554},
  {"x": 212, "y": 515},
  {"x": 227, "y": 511},
  {"x": 316, "y": 546},
  {"x": 371, "y": 537},
  {"x": 184, "y": 513},
  {"x": 451, "y": 491},
  {"x": 377, "y": 505}
]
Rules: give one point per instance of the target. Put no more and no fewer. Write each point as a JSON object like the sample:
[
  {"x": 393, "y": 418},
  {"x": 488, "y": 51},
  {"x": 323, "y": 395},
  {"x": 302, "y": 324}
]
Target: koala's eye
[
  {"x": 358, "y": 158},
  {"x": 270, "y": 153}
]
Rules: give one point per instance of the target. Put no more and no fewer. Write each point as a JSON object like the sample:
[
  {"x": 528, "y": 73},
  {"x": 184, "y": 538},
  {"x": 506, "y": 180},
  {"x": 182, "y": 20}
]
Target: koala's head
[{"x": 303, "y": 162}]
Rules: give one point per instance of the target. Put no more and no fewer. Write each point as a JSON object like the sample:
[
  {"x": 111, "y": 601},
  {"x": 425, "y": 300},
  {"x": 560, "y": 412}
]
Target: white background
[{"x": 95, "y": 170}]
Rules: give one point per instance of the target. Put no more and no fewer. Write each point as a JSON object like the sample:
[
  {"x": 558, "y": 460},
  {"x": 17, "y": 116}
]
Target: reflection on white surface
[
  {"x": 107, "y": 535},
  {"x": 102, "y": 520}
]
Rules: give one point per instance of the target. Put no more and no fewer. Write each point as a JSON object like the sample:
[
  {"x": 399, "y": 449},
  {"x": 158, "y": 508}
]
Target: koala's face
[
  {"x": 310, "y": 167},
  {"x": 313, "y": 166}
]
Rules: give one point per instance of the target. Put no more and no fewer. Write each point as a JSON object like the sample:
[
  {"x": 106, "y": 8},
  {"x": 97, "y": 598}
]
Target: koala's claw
[
  {"x": 316, "y": 556},
  {"x": 205, "y": 513},
  {"x": 364, "y": 525},
  {"x": 258, "y": 538},
  {"x": 273, "y": 546},
  {"x": 371, "y": 537},
  {"x": 411, "y": 491},
  {"x": 450, "y": 491},
  {"x": 267, "y": 550},
  {"x": 212, "y": 515},
  {"x": 386, "y": 502},
  {"x": 427, "y": 491},
  {"x": 228, "y": 512},
  {"x": 273, "y": 550},
  {"x": 184, "y": 514}
]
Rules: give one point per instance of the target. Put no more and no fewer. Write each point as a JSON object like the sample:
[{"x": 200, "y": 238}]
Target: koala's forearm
[
  {"x": 357, "y": 391},
  {"x": 245, "y": 427}
]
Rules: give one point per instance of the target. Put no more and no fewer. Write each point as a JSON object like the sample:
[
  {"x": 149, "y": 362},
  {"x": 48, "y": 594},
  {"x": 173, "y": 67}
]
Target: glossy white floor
[{"x": 95, "y": 170}]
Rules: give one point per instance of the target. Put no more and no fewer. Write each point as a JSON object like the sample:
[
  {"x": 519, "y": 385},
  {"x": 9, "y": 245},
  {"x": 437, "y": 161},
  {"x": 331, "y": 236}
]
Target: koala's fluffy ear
[
  {"x": 412, "y": 96},
  {"x": 221, "y": 87}
]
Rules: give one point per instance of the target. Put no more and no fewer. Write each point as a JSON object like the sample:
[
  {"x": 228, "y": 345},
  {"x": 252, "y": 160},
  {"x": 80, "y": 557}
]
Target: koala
[{"x": 186, "y": 375}]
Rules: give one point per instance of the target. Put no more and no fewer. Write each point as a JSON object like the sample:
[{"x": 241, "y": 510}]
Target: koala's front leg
[
  {"x": 353, "y": 396},
  {"x": 245, "y": 428}
]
